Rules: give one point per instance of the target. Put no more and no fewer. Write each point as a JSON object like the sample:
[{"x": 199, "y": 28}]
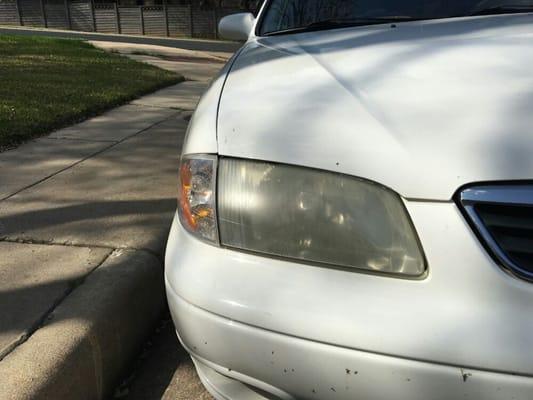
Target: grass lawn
[{"x": 46, "y": 84}]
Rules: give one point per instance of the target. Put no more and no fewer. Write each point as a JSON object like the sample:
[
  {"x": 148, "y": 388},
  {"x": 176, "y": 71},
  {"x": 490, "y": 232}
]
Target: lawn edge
[
  {"x": 94, "y": 113},
  {"x": 100, "y": 109}
]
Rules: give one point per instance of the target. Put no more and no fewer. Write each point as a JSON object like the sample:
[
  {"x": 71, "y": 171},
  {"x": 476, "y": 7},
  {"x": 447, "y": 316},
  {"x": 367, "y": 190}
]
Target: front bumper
[
  {"x": 303, "y": 332},
  {"x": 230, "y": 355}
]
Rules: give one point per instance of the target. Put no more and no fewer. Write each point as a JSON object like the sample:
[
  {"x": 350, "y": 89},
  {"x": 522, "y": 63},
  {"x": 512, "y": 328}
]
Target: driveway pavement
[
  {"x": 206, "y": 63},
  {"x": 84, "y": 216}
]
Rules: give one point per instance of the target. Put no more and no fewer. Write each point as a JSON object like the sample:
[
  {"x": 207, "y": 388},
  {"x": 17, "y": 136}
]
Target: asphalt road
[{"x": 163, "y": 371}]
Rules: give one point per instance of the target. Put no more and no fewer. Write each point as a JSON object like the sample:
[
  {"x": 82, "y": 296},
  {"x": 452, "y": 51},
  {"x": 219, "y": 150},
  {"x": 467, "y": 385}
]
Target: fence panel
[
  {"x": 203, "y": 23},
  {"x": 56, "y": 15},
  {"x": 154, "y": 21},
  {"x": 130, "y": 20},
  {"x": 31, "y": 13},
  {"x": 225, "y": 11},
  {"x": 81, "y": 16},
  {"x": 105, "y": 18},
  {"x": 175, "y": 20},
  {"x": 179, "y": 20},
  {"x": 8, "y": 12}
]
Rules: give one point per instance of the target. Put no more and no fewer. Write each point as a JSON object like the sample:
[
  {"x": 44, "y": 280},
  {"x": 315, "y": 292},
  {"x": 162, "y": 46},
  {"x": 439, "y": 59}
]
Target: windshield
[{"x": 284, "y": 16}]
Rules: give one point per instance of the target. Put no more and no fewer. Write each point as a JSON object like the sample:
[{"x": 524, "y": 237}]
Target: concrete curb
[
  {"x": 89, "y": 339},
  {"x": 187, "y": 44}
]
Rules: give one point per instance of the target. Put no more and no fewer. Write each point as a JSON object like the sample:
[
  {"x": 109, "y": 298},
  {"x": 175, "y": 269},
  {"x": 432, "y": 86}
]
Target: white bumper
[{"x": 305, "y": 332}]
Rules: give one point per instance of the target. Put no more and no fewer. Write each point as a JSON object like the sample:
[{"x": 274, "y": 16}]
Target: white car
[{"x": 355, "y": 212}]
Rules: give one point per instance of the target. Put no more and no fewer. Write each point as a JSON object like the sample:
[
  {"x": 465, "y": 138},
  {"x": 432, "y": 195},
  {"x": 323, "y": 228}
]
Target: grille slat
[
  {"x": 496, "y": 218},
  {"x": 516, "y": 244},
  {"x": 503, "y": 216}
]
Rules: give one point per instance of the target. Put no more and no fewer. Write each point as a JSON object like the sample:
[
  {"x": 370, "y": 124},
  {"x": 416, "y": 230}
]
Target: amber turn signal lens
[{"x": 196, "y": 196}]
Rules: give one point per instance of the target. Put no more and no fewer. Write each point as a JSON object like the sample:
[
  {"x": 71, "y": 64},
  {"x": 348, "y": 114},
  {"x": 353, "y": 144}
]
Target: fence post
[
  {"x": 141, "y": 9},
  {"x": 43, "y": 13},
  {"x": 215, "y": 24},
  {"x": 165, "y": 10},
  {"x": 191, "y": 19},
  {"x": 91, "y": 3},
  {"x": 117, "y": 17},
  {"x": 67, "y": 15},
  {"x": 19, "y": 13}
]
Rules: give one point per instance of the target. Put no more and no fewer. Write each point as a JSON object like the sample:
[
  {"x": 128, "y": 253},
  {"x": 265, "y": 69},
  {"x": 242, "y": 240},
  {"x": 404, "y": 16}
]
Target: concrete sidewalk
[
  {"x": 84, "y": 216},
  {"x": 172, "y": 59}
]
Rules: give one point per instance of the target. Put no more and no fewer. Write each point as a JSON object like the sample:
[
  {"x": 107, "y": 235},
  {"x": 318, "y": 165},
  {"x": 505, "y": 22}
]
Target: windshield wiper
[
  {"x": 503, "y": 9},
  {"x": 343, "y": 23}
]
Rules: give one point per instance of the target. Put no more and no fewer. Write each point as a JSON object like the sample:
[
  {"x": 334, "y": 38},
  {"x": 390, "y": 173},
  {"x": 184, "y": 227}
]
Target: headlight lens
[
  {"x": 315, "y": 216},
  {"x": 196, "y": 196}
]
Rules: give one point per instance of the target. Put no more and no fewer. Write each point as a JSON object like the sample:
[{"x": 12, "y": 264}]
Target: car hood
[{"x": 421, "y": 107}]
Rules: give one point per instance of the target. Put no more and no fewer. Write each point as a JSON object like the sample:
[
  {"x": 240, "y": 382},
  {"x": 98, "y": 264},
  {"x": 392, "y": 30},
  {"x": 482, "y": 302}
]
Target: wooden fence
[{"x": 170, "y": 20}]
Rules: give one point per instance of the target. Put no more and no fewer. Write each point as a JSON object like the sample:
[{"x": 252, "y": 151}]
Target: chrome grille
[{"x": 503, "y": 217}]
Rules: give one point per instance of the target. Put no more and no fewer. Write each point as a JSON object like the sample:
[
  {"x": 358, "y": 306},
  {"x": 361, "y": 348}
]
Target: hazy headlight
[
  {"x": 196, "y": 196},
  {"x": 315, "y": 216}
]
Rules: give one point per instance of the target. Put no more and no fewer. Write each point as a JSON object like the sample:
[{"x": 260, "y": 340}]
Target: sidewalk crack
[
  {"x": 101, "y": 151},
  {"x": 37, "y": 242},
  {"x": 78, "y": 139}
]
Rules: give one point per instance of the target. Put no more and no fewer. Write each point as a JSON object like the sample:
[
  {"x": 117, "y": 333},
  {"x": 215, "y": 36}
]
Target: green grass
[{"x": 47, "y": 84}]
